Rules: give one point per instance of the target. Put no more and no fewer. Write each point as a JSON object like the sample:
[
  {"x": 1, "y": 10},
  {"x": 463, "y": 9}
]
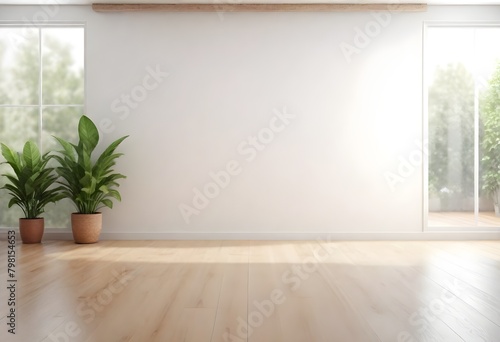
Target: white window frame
[
  {"x": 40, "y": 105},
  {"x": 425, "y": 135}
]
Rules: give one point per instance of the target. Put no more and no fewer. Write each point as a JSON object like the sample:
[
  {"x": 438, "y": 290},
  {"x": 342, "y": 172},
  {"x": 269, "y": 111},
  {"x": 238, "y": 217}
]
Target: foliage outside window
[
  {"x": 451, "y": 135},
  {"x": 491, "y": 141},
  {"x": 463, "y": 70},
  {"x": 41, "y": 94}
]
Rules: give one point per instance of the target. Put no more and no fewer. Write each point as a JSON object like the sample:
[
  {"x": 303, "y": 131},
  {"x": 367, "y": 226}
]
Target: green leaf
[
  {"x": 111, "y": 148},
  {"x": 87, "y": 182},
  {"x": 31, "y": 155},
  {"x": 31, "y": 187},
  {"x": 69, "y": 150},
  {"x": 13, "y": 200},
  {"x": 107, "y": 203},
  {"x": 88, "y": 133},
  {"x": 115, "y": 194},
  {"x": 12, "y": 158}
]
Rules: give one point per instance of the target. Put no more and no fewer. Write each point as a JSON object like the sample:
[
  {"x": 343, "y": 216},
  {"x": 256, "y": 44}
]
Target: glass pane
[
  {"x": 451, "y": 127},
  {"x": 10, "y": 216},
  {"x": 19, "y": 62},
  {"x": 61, "y": 122},
  {"x": 62, "y": 58},
  {"x": 59, "y": 215},
  {"x": 488, "y": 70},
  {"x": 17, "y": 125},
  {"x": 463, "y": 66}
]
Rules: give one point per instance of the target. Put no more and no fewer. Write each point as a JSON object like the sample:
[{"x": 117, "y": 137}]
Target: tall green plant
[
  {"x": 31, "y": 184},
  {"x": 89, "y": 183},
  {"x": 490, "y": 110}
]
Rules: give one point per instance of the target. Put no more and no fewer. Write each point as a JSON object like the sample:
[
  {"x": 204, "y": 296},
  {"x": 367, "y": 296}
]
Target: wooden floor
[
  {"x": 255, "y": 291},
  {"x": 464, "y": 219}
]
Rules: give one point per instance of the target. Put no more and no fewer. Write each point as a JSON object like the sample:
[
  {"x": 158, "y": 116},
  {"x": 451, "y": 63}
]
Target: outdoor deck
[{"x": 462, "y": 219}]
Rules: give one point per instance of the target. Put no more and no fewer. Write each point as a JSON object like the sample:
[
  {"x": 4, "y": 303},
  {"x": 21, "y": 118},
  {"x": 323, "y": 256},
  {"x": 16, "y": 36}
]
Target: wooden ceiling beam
[{"x": 225, "y": 7}]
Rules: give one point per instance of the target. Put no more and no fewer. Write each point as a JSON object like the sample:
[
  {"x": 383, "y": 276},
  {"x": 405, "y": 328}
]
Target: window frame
[
  {"x": 40, "y": 105},
  {"x": 425, "y": 132}
]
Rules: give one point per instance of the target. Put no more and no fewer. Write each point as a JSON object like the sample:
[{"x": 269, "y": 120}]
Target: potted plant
[
  {"x": 89, "y": 182},
  {"x": 30, "y": 188}
]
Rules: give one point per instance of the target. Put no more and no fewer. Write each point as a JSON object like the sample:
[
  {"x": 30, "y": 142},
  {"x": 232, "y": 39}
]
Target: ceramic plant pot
[
  {"x": 31, "y": 230},
  {"x": 86, "y": 227}
]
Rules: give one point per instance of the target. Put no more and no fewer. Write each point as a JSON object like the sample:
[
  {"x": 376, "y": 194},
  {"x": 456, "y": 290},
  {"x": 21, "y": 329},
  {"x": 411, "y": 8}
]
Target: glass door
[{"x": 462, "y": 126}]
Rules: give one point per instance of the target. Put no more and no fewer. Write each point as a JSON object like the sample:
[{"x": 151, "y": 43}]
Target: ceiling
[{"x": 88, "y": 2}]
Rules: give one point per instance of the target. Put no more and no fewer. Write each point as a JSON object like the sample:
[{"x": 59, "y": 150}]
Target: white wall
[{"x": 228, "y": 75}]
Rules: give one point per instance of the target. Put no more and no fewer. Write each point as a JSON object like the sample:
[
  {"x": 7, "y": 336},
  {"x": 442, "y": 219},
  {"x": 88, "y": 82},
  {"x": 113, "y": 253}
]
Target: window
[
  {"x": 462, "y": 102},
  {"x": 41, "y": 94}
]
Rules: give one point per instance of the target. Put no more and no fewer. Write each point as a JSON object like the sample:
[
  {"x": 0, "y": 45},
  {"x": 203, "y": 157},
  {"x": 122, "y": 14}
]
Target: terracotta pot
[
  {"x": 31, "y": 230},
  {"x": 86, "y": 227}
]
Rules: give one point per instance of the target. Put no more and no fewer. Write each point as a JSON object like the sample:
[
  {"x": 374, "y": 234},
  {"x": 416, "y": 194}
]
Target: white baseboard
[
  {"x": 303, "y": 236},
  {"x": 65, "y": 234}
]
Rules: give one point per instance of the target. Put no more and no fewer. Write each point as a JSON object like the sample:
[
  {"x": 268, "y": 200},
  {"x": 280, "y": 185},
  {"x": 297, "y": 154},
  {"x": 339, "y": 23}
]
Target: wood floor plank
[
  {"x": 474, "y": 296},
  {"x": 379, "y": 292},
  {"x": 438, "y": 306},
  {"x": 255, "y": 291},
  {"x": 232, "y": 302},
  {"x": 263, "y": 282}
]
